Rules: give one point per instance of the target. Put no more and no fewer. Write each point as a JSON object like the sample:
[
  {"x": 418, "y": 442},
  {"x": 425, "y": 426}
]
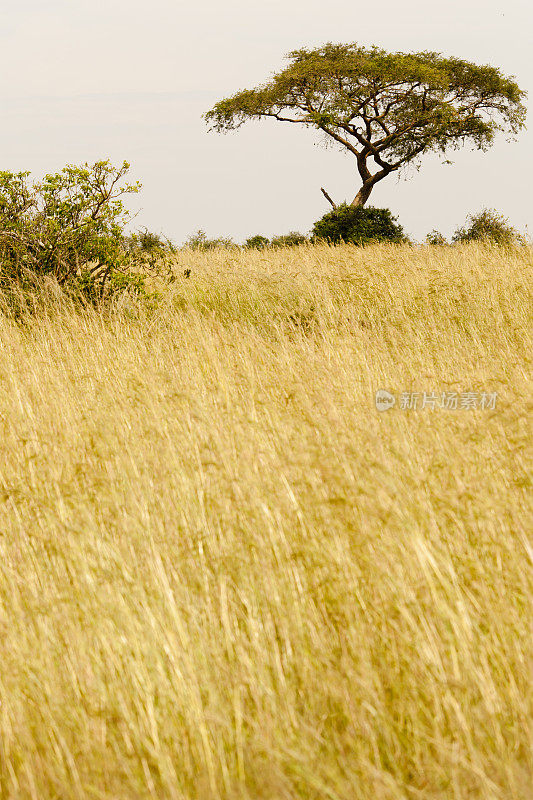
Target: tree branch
[{"x": 328, "y": 198}]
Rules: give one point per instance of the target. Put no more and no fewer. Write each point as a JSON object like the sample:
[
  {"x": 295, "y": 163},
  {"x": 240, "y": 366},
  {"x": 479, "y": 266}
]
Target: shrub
[
  {"x": 257, "y": 242},
  {"x": 199, "y": 241},
  {"x": 147, "y": 242},
  {"x": 488, "y": 225},
  {"x": 358, "y": 225},
  {"x": 151, "y": 252},
  {"x": 68, "y": 227},
  {"x": 288, "y": 240},
  {"x": 436, "y": 237}
]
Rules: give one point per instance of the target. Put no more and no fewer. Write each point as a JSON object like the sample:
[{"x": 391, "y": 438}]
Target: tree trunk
[{"x": 362, "y": 195}]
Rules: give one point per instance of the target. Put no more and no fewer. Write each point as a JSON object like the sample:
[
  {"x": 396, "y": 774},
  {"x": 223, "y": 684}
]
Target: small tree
[
  {"x": 385, "y": 108},
  {"x": 359, "y": 225},
  {"x": 288, "y": 239},
  {"x": 436, "y": 238},
  {"x": 488, "y": 225},
  {"x": 69, "y": 226},
  {"x": 148, "y": 243},
  {"x": 200, "y": 241},
  {"x": 257, "y": 242}
]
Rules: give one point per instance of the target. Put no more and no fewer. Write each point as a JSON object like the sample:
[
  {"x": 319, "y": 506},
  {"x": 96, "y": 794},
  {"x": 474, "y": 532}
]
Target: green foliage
[
  {"x": 435, "y": 237},
  {"x": 290, "y": 239},
  {"x": 358, "y": 225},
  {"x": 488, "y": 225},
  {"x": 389, "y": 108},
  {"x": 257, "y": 242},
  {"x": 200, "y": 241},
  {"x": 151, "y": 252},
  {"x": 147, "y": 242},
  {"x": 68, "y": 227}
]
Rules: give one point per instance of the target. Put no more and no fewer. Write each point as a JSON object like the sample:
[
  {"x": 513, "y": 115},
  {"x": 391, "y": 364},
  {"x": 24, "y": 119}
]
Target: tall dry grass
[{"x": 224, "y": 574}]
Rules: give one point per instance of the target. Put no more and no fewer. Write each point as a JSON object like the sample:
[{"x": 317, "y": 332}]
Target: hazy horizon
[{"x": 92, "y": 83}]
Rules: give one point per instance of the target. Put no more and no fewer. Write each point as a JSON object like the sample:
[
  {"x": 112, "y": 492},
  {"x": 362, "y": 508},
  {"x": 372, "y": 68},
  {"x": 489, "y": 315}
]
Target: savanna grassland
[{"x": 225, "y": 575}]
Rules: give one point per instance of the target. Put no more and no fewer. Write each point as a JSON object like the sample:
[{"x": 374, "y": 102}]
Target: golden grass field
[{"x": 225, "y": 575}]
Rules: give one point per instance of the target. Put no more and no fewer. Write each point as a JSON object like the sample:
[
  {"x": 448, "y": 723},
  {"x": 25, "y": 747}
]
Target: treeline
[
  {"x": 72, "y": 227},
  {"x": 365, "y": 225}
]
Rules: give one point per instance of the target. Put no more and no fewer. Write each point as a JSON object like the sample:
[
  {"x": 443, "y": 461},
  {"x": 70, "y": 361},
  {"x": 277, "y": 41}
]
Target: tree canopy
[{"x": 388, "y": 109}]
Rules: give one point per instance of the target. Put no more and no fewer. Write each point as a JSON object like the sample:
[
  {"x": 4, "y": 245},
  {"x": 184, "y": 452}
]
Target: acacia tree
[{"x": 386, "y": 109}]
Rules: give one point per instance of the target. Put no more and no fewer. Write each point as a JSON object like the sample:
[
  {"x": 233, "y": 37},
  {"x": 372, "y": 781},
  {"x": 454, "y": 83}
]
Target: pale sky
[{"x": 82, "y": 80}]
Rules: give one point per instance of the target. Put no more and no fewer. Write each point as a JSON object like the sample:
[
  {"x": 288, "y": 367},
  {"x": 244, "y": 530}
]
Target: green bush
[
  {"x": 257, "y": 242},
  {"x": 358, "y": 225},
  {"x": 288, "y": 240},
  {"x": 488, "y": 225},
  {"x": 151, "y": 252},
  {"x": 200, "y": 241},
  {"x": 68, "y": 227},
  {"x": 149, "y": 243},
  {"x": 435, "y": 237}
]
